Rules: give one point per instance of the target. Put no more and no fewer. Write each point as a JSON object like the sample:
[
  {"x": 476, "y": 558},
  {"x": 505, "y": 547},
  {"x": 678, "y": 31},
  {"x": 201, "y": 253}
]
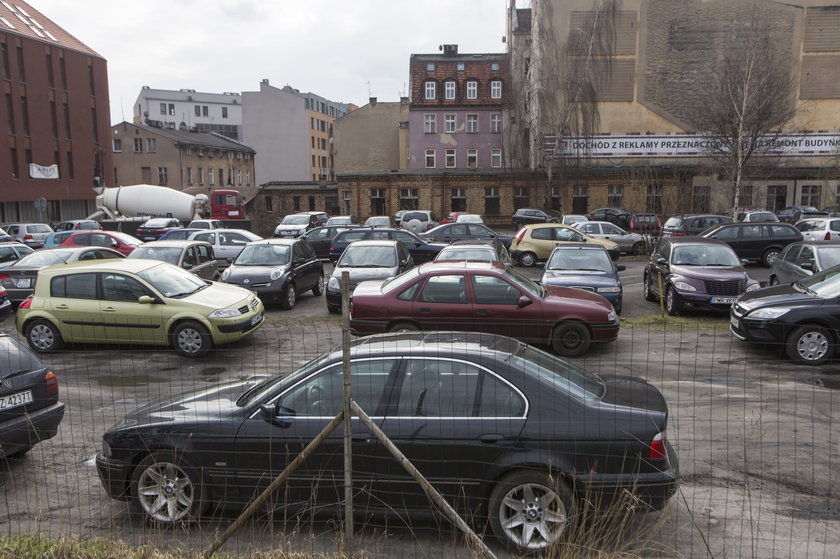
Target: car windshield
[
  {"x": 125, "y": 238},
  {"x": 176, "y": 235},
  {"x": 470, "y": 218},
  {"x": 172, "y": 281},
  {"x": 829, "y": 256},
  {"x": 709, "y": 255},
  {"x": 378, "y": 221},
  {"x": 825, "y": 284},
  {"x": 368, "y": 257},
  {"x": 532, "y": 288},
  {"x": 580, "y": 260},
  {"x": 167, "y": 254},
  {"x": 398, "y": 281},
  {"x": 811, "y": 225},
  {"x": 558, "y": 372},
  {"x": 482, "y": 254},
  {"x": 45, "y": 258},
  {"x": 264, "y": 255},
  {"x": 295, "y": 220},
  {"x": 263, "y": 390},
  {"x": 38, "y": 228},
  {"x": 156, "y": 223}
]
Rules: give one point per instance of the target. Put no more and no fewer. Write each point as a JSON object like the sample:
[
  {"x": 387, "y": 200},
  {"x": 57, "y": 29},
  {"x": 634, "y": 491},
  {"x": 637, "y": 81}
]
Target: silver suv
[
  {"x": 418, "y": 221},
  {"x": 30, "y": 234}
]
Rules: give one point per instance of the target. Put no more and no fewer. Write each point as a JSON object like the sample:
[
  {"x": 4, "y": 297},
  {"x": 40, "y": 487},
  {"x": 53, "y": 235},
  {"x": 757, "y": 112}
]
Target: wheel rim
[
  {"x": 638, "y": 249},
  {"x": 290, "y": 295},
  {"x": 812, "y": 346},
  {"x": 189, "y": 340},
  {"x": 771, "y": 256},
  {"x": 532, "y": 516},
  {"x": 669, "y": 300},
  {"x": 527, "y": 260},
  {"x": 42, "y": 336},
  {"x": 570, "y": 339},
  {"x": 165, "y": 492},
  {"x": 646, "y": 287},
  {"x": 319, "y": 287}
]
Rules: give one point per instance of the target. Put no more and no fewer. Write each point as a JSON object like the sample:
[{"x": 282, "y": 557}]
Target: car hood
[
  {"x": 290, "y": 227},
  {"x": 714, "y": 273},
  {"x": 237, "y": 274},
  {"x": 218, "y": 296},
  {"x": 208, "y": 404},
  {"x": 569, "y": 296},
  {"x": 358, "y": 275},
  {"x": 786, "y": 295},
  {"x": 594, "y": 279}
]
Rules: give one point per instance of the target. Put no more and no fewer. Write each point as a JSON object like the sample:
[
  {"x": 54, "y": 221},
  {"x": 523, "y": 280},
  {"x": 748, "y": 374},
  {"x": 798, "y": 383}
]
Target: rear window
[
  {"x": 673, "y": 222},
  {"x": 811, "y": 225},
  {"x": 415, "y": 215},
  {"x": 74, "y": 286},
  {"x": 15, "y": 358}
]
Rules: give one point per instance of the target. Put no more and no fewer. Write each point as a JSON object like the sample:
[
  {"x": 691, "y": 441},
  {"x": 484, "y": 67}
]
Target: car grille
[
  {"x": 254, "y": 304},
  {"x": 243, "y": 310},
  {"x": 732, "y": 287}
]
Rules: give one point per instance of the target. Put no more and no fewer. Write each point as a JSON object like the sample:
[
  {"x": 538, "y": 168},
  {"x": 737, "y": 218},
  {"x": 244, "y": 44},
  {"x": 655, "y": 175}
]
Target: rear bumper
[{"x": 25, "y": 431}]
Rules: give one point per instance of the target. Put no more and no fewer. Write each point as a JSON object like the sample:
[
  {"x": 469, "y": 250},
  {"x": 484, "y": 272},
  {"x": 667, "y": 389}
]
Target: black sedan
[
  {"x": 803, "y": 316},
  {"x": 450, "y": 232},
  {"x": 506, "y": 432},
  {"x": 277, "y": 270},
  {"x": 420, "y": 249},
  {"x": 29, "y": 408},
  {"x": 321, "y": 237},
  {"x": 153, "y": 229}
]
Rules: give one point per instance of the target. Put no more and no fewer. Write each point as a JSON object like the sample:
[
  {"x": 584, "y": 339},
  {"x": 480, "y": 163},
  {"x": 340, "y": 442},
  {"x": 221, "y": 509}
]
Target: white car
[
  {"x": 571, "y": 219},
  {"x": 469, "y": 218},
  {"x": 819, "y": 228},
  {"x": 226, "y": 243},
  {"x": 630, "y": 243},
  {"x": 206, "y": 224},
  {"x": 30, "y": 234}
]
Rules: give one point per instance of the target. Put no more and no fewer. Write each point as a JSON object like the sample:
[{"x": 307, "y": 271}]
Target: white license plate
[
  {"x": 723, "y": 300},
  {"x": 735, "y": 322},
  {"x": 256, "y": 318},
  {"x": 15, "y": 400},
  {"x": 22, "y": 283}
]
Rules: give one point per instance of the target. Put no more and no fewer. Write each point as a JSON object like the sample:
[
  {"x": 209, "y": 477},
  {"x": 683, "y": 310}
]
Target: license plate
[
  {"x": 735, "y": 322},
  {"x": 15, "y": 400},
  {"x": 148, "y": 238},
  {"x": 22, "y": 282},
  {"x": 256, "y": 319},
  {"x": 288, "y": 236},
  {"x": 723, "y": 300}
]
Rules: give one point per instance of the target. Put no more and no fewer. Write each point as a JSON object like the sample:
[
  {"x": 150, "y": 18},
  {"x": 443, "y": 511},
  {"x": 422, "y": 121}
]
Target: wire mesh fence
[{"x": 755, "y": 436}]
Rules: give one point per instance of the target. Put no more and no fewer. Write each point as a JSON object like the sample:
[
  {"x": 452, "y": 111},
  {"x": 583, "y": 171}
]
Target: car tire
[
  {"x": 403, "y": 327},
  {"x": 43, "y": 336},
  {"x": 318, "y": 289},
  {"x": 333, "y": 309},
  {"x": 769, "y": 256},
  {"x": 672, "y": 301},
  {"x": 639, "y": 248},
  {"x": 166, "y": 489},
  {"x": 617, "y": 307},
  {"x": 289, "y": 298},
  {"x": 191, "y": 339},
  {"x": 810, "y": 345},
  {"x": 527, "y": 259},
  {"x": 648, "y": 292},
  {"x": 571, "y": 339},
  {"x": 531, "y": 511}
]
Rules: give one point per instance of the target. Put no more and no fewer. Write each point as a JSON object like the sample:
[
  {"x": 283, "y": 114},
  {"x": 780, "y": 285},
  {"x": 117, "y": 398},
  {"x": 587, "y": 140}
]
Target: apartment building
[{"x": 188, "y": 109}]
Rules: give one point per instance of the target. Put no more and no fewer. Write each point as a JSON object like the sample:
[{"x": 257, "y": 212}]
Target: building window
[
  {"x": 459, "y": 66},
  {"x": 472, "y": 124},
  {"x": 269, "y": 203},
  {"x": 615, "y": 195},
  {"x": 653, "y": 201},
  {"x": 197, "y": 109},
  {"x": 296, "y": 203},
  {"x": 496, "y": 89},
  {"x": 224, "y": 115},
  {"x": 204, "y": 111},
  {"x": 430, "y": 67},
  {"x": 189, "y": 176},
  {"x": 409, "y": 198},
  {"x": 211, "y": 177},
  {"x": 377, "y": 201},
  {"x": 429, "y": 124},
  {"x": 21, "y": 65},
  {"x": 472, "y": 160},
  {"x": 71, "y": 169},
  {"x": 24, "y": 114},
  {"x": 494, "y": 67},
  {"x": 430, "y": 90},
  {"x": 520, "y": 197},
  {"x": 54, "y": 119},
  {"x": 117, "y": 145},
  {"x": 4, "y": 61},
  {"x": 345, "y": 202},
  {"x": 138, "y": 145},
  {"x": 495, "y": 123},
  {"x": 67, "y": 131},
  {"x": 459, "y": 200},
  {"x": 472, "y": 90},
  {"x": 201, "y": 176},
  {"x": 151, "y": 145},
  {"x": 450, "y": 158},
  {"x": 162, "y": 176},
  {"x": 247, "y": 178},
  {"x": 449, "y": 91},
  {"x": 776, "y": 197},
  {"x": 171, "y": 109},
  {"x": 492, "y": 204},
  {"x": 239, "y": 177},
  {"x": 700, "y": 199},
  {"x": 15, "y": 167},
  {"x": 10, "y": 113},
  {"x": 496, "y": 157},
  {"x": 163, "y": 109},
  {"x": 811, "y": 195},
  {"x": 50, "y": 73},
  {"x": 430, "y": 159},
  {"x": 449, "y": 124},
  {"x": 745, "y": 197},
  {"x": 553, "y": 193},
  {"x": 62, "y": 68}
]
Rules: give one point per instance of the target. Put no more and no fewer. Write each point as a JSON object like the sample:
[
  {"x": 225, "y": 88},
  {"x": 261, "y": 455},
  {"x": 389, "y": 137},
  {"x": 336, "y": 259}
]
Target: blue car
[
  {"x": 585, "y": 266},
  {"x": 178, "y": 234},
  {"x": 55, "y": 239},
  {"x": 420, "y": 249}
]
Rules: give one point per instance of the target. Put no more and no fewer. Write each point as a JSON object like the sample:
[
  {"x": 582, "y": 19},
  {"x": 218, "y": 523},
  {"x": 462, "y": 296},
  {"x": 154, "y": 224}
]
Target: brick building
[{"x": 56, "y": 109}]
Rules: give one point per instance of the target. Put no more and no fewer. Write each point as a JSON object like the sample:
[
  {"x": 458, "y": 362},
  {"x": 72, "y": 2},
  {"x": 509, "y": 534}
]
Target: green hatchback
[{"x": 135, "y": 302}]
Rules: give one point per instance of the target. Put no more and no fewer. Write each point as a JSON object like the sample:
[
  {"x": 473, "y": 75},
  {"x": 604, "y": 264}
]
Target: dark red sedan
[
  {"x": 484, "y": 297},
  {"x": 121, "y": 242}
]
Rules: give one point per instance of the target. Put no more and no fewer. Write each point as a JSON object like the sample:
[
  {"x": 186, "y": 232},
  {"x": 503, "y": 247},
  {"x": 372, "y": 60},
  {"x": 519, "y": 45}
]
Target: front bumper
[
  {"x": 607, "y": 332},
  {"x": 114, "y": 475},
  {"x": 703, "y": 301},
  {"x": 27, "y": 430},
  {"x": 758, "y": 331}
]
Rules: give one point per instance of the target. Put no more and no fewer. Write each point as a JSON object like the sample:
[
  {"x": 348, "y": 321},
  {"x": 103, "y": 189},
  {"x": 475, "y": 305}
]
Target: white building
[{"x": 190, "y": 110}]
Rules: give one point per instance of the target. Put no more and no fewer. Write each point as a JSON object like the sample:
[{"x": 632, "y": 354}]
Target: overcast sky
[{"x": 344, "y": 50}]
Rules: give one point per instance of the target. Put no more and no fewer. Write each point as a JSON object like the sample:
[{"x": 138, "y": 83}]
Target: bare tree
[{"x": 748, "y": 97}]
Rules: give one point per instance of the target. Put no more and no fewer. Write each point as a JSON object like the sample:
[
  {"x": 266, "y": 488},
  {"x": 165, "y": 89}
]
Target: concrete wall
[{"x": 369, "y": 137}]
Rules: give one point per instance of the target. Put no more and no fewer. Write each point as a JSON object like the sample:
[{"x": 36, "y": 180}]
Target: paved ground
[{"x": 757, "y": 437}]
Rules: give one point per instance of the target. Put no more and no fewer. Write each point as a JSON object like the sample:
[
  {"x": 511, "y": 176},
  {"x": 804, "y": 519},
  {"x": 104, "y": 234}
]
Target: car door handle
[
  {"x": 109, "y": 309},
  {"x": 425, "y": 310},
  {"x": 361, "y": 439},
  {"x": 481, "y": 311},
  {"x": 62, "y": 307},
  {"x": 491, "y": 438}
]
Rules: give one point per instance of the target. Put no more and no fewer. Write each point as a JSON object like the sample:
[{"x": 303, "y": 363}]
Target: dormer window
[{"x": 430, "y": 90}]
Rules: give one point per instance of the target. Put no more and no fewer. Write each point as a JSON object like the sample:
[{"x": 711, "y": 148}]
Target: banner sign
[
  {"x": 41, "y": 172},
  {"x": 684, "y": 145}
]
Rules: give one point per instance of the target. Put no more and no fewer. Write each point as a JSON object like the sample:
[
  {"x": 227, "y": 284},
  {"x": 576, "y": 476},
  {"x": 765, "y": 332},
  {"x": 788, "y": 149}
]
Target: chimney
[
  {"x": 372, "y": 101},
  {"x": 450, "y": 50}
]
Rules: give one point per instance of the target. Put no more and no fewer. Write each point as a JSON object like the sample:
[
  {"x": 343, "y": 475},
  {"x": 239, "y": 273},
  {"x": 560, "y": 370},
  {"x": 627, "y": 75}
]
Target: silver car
[
  {"x": 30, "y": 234},
  {"x": 803, "y": 259},
  {"x": 226, "y": 243},
  {"x": 630, "y": 243},
  {"x": 364, "y": 261},
  {"x": 194, "y": 256}
]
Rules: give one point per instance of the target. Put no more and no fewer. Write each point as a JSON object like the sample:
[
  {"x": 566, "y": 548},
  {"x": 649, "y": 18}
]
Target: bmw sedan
[
  {"x": 484, "y": 297},
  {"x": 450, "y": 232},
  {"x": 510, "y": 435},
  {"x": 586, "y": 267}
]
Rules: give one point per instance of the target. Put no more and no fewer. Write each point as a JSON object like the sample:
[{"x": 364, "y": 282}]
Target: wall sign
[{"x": 42, "y": 172}]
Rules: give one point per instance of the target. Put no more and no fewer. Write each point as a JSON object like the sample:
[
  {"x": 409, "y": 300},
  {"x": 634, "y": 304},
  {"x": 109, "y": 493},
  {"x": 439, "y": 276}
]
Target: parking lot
[{"x": 756, "y": 435}]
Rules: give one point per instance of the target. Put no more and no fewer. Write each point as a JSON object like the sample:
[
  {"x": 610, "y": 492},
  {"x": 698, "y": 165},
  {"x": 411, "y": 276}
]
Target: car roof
[
  {"x": 370, "y": 243},
  {"x": 540, "y": 225},
  {"x": 459, "y": 266},
  {"x": 276, "y": 241},
  {"x": 175, "y": 243},
  {"x": 581, "y": 246},
  {"x": 476, "y": 242},
  {"x": 131, "y": 265},
  {"x": 817, "y": 243},
  {"x": 694, "y": 241},
  {"x": 436, "y": 343}
]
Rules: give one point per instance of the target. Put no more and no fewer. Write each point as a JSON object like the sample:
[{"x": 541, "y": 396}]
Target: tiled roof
[
  {"x": 20, "y": 18},
  {"x": 206, "y": 139}
]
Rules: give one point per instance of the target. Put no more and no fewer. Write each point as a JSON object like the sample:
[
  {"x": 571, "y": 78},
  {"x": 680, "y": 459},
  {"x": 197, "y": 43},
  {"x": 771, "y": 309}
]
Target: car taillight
[
  {"x": 4, "y": 277},
  {"x": 658, "y": 450},
  {"x": 51, "y": 384},
  {"x": 27, "y": 236},
  {"x": 632, "y": 223},
  {"x": 678, "y": 234},
  {"x": 26, "y": 303},
  {"x": 519, "y": 236},
  {"x": 828, "y": 235}
]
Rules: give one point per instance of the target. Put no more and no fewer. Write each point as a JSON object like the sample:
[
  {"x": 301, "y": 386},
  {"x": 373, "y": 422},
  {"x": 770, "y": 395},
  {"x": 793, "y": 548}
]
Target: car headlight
[
  {"x": 683, "y": 286},
  {"x": 106, "y": 449},
  {"x": 612, "y": 316},
  {"x": 766, "y": 313},
  {"x": 753, "y": 287},
  {"x": 276, "y": 273},
  {"x": 615, "y": 289},
  {"x": 334, "y": 284},
  {"x": 225, "y": 275},
  {"x": 223, "y": 313}
]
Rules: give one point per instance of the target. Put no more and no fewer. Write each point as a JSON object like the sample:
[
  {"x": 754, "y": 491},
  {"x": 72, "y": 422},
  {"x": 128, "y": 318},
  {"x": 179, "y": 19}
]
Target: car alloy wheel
[
  {"x": 810, "y": 345},
  {"x": 318, "y": 289},
  {"x": 403, "y": 327},
  {"x": 165, "y": 490},
  {"x": 43, "y": 336},
  {"x": 648, "y": 292},
  {"x": 639, "y": 248},
  {"x": 191, "y": 339},
  {"x": 672, "y": 305},
  {"x": 530, "y": 511},
  {"x": 289, "y": 297},
  {"x": 527, "y": 259},
  {"x": 770, "y": 256}
]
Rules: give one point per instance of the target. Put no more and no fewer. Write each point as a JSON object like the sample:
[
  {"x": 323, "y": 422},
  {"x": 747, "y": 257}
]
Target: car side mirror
[
  {"x": 620, "y": 268},
  {"x": 299, "y": 261},
  {"x": 146, "y": 300},
  {"x": 277, "y": 415},
  {"x": 186, "y": 265},
  {"x": 807, "y": 265},
  {"x": 662, "y": 262},
  {"x": 523, "y": 301}
]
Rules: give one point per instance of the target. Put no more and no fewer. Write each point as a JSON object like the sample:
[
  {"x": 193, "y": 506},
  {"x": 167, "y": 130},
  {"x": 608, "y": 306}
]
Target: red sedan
[
  {"x": 121, "y": 242},
  {"x": 484, "y": 297}
]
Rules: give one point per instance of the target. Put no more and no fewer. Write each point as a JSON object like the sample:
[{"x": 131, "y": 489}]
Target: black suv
[
  {"x": 613, "y": 215},
  {"x": 691, "y": 225},
  {"x": 792, "y": 214},
  {"x": 762, "y": 242},
  {"x": 527, "y": 216}
]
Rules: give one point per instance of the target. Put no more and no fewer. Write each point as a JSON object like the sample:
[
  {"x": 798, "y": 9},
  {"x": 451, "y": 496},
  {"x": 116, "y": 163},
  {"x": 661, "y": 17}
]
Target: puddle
[
  {"x": 140, "y": 380},
  {"x": 822, "y": 382}
]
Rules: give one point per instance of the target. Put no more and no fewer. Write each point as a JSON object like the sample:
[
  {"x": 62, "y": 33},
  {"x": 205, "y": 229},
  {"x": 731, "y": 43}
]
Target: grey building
[{"x": 188, "y": 109}]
